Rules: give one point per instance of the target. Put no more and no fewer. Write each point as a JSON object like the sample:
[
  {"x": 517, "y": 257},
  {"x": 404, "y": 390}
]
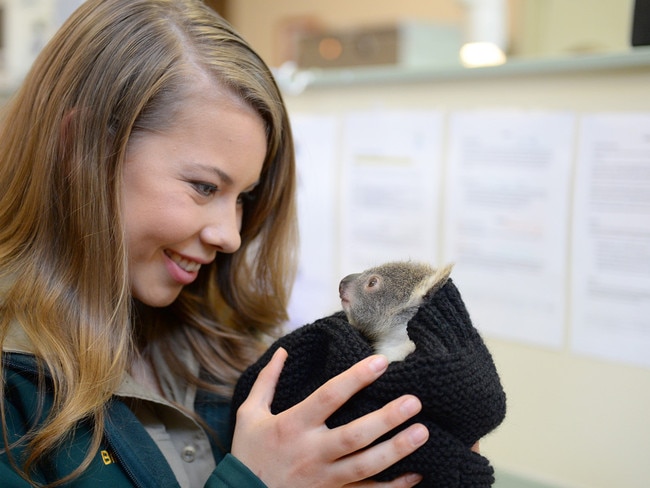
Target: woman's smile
[{"x": 182, "y": 269}]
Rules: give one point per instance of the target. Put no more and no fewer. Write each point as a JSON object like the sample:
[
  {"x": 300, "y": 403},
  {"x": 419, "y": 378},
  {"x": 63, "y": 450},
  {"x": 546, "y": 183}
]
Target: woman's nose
[{"x": 223, "y": 231}]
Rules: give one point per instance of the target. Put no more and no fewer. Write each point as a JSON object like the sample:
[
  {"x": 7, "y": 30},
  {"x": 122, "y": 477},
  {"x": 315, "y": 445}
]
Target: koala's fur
[{"x": 380, "y": 301}]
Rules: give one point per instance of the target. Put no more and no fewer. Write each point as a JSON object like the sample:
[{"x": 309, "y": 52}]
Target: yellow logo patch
[{"x": 107, "y": 458}]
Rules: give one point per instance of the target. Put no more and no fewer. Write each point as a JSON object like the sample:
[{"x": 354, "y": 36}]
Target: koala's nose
[{"x": 345, "y": 282}]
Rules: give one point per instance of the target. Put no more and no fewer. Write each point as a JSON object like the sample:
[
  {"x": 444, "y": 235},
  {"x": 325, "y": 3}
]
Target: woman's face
[{"x": 183, "y": 192}]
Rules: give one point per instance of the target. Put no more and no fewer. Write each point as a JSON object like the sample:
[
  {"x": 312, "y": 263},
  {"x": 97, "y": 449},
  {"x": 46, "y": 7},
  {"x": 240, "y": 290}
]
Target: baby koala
[{"x": 380, "y": 302}]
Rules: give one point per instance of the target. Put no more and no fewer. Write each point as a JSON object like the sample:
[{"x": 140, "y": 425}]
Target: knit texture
[{"x": 451, "y": 372}]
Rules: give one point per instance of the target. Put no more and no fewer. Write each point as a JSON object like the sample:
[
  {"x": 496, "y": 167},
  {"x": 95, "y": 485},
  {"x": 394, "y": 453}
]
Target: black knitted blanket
[{"x": 451, "y": 372}]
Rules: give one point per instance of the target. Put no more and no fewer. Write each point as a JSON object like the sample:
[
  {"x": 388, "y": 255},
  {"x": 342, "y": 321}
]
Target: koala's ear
[{"x": 432, "y": 283}]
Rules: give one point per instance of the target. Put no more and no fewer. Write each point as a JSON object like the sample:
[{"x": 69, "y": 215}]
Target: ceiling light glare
[{"x": 477, "y": 54}]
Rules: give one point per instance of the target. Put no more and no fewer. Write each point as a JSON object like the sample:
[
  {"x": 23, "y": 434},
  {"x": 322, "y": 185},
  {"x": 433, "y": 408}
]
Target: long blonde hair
[{"x": 117, "y": 67}]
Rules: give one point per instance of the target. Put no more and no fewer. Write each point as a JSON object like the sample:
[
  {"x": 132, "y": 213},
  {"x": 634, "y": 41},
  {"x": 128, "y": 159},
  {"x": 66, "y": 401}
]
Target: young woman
[{"x": 147, "y": 237}]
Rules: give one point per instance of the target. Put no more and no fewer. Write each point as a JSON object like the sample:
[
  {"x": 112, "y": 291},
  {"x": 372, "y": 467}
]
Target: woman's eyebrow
[{"x": 223, "y": 176}]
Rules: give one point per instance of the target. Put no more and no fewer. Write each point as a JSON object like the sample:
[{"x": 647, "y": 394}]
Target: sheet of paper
[
  {"x": 315, "y": 292},
  {"x": 611, "y": 240},
  {"x": 506, "y": 217},
  {"x": 390, "y": 187}
]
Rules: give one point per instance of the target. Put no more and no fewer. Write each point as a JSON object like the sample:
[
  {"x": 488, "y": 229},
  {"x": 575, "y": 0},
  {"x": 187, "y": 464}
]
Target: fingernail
[
  {"x": 419, "y": 435},
  {"x": 410, "y": 407},
  {"x": 413, "y": 478},
  {"x": 379, "y": 364}
]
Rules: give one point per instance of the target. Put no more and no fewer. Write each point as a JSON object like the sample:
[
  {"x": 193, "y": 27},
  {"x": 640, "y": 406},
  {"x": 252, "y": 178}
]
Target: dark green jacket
[{"x": 128, "y": 456}]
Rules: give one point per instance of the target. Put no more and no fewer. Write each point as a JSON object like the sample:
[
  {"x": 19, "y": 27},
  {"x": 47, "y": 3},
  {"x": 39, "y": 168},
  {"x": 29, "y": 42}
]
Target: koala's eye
[{"x": 373, "y": 282}]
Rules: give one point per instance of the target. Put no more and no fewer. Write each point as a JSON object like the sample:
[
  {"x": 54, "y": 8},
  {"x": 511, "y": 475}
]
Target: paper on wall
[
  {"x": 611, "y": 239},
  {"x": 506, "y": 217},
  {"x": 390, "y": 187}
]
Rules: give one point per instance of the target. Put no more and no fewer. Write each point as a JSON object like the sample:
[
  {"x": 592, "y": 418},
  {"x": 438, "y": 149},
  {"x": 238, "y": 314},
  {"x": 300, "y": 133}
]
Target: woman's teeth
[{"x": 185, "y": 264}]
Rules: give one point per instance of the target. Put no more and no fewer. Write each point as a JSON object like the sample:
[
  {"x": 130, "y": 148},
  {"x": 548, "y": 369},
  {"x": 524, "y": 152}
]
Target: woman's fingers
[
  {"x": 369, "y": 462},
  {"x": 296, "y": 448},
  {"x": 328, "y": 398},
  {"x": 406, "y": 481},
  {"x": 263, "y": 390},
  {"x": 363, "y": 431}
]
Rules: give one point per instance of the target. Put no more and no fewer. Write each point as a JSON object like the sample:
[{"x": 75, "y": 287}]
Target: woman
[{"x": 146, "y": 254}]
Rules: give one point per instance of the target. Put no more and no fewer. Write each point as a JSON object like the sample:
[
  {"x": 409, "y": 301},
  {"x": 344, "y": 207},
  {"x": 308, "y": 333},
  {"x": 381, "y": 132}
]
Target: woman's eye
[{"x": 204, "y": 189}]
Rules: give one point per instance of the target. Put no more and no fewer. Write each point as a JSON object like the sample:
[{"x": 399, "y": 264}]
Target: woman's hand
[{"x": 296, "y": 448}]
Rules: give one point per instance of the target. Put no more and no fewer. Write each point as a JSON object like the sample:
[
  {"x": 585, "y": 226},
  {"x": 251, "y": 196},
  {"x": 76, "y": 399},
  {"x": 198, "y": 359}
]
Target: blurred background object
[{"x": 519, "y": 28}]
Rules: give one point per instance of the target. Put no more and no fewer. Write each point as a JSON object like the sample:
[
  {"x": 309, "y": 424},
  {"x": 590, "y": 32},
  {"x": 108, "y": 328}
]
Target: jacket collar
[{"x": 174, "y": 387}]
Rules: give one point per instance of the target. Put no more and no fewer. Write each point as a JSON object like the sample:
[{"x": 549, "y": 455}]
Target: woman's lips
[
  {"x": 182, "y": 269},
  {"x": 186, "y": 264}
]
